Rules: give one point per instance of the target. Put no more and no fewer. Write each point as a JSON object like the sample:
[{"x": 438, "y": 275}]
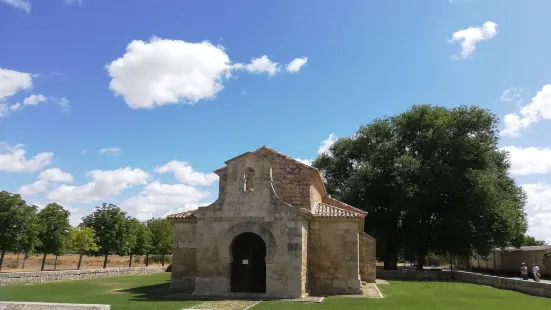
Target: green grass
[{"x": 150, "y": 291}]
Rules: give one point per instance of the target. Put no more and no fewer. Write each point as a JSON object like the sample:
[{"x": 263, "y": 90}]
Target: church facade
[{"x": 274, "y": 232}]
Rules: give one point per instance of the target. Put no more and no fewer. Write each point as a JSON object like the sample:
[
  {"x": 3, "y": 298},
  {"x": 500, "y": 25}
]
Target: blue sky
[{"x": 171, "y": 89}]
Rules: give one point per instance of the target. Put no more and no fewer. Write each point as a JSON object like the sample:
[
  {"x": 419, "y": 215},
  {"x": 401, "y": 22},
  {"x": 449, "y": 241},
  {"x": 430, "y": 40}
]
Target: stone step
[{"x": 226, "y": 305}]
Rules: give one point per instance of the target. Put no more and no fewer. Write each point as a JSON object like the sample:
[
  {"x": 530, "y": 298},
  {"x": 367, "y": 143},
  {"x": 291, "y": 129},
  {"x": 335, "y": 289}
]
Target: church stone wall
[
  {"x": 260, "y": 211},
  {"x": 368, "y": 259},
  {"x": 334, "y": 257},
  {"x": 184, "y": 263}
]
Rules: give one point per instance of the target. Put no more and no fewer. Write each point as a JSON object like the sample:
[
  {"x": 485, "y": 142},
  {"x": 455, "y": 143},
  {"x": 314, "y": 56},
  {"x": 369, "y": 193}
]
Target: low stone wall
[
  {"x": 64, "y": 275},
  {"x": 47, "y": 306},
  {"x": 527, "y": 287}
]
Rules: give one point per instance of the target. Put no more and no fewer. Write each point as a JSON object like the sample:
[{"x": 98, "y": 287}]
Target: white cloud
[
  {"x": 158, "y": 199},
  {"x": 111, "y": 150},
  {"x": 56, "y": 175},
  {"x": 305, "y": 161},
  {"x": 262, "y": 65},
  {"x": 296, "y": 64},
  {"x": 185, "y": 173},
  {"x": 529, "y": 160},
  {"x": 34, "y": 188},
  {"x": 13, "y": 159},
  {"x": 326, "y": 144},
  {"x": 63, "y": 103},
  {"x": 165, "y": 71},
  {"x": 538, "y": 210},
  {"x": 31, "y": 100},
  {"x": 104, "y": 184},
  {"x": 471, "y": 36},
  {"x": 24, "y": 5},
  {"x": 12, "y": 82},
  {"x": 3, "y": 109},
  {"x": 538, "y": 109},
  {"x": 513, "y": 94}
]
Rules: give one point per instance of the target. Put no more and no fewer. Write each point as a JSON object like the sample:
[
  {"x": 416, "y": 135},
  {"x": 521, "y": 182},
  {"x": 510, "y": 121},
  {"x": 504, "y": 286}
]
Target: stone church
[{"x": 273, "y": 232}]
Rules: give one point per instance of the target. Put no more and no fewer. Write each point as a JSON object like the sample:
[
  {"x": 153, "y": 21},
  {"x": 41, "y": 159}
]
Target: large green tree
[
  {"x": 54, "y": 220},
  {"x": 82, "y": 240},
  {"x": 17, "y": 224},
  {"x": 162, "y": 236},
  {"x": 531, "y": 241},
  {"x": 432, "y": 179},
  {"x": 111, "y": 227},
  {"x": 140, "y": 242}
]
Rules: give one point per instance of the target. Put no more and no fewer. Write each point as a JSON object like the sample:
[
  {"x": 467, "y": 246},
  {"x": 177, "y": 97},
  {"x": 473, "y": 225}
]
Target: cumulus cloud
[
  {"x": 13, "y": 159},
  {"x": 262, "y": 65},
  {"x": 56, "y": 175},
  {"x": 111, "y": 150},
  {"x": 164, "y": 71},
  {"x": 32, "y": 100},
  {"x": 305, "y": 161},
  {"x": 538, "y": 210},
  {"x": 326, "y": 144},
  {"x": 296, "y": 64},
  {"x": 12, "y": 82},
  {"x": 158, "y": 199},
  {"x": 513, "y": 94},
  {"x": 529, "y": 160},
  {"x": 24, "y": 5},
  {"x": 538, "y": 109},
  {"x": 471, "y": 36},
  {"x": 185, "y": 173},
  {"x": 34, "y": 188},
  {"x": 104, "y": 184}
]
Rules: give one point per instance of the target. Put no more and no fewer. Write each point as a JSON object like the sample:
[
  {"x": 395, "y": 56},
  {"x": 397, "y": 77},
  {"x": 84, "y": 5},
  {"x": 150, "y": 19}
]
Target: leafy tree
[
  {"x": 16, "y": 224},
  {"x": 31, "y": 236},
  {"x": 531, "y": 241},
  {"x": 54, "y": 220},
  {"x": 110, "y": 224},
  {"x": 162, "y": 236},
  {"x": 141, "y": 243},
  {"x": 82, "y": 240},
  {"x": 432, "y": 179}
]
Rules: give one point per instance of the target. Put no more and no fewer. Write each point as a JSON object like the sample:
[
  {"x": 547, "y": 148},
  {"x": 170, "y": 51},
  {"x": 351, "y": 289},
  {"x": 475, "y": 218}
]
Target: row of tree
[
  {"x": 433, "y": 180},
  {"x": 107, "y": 230}
]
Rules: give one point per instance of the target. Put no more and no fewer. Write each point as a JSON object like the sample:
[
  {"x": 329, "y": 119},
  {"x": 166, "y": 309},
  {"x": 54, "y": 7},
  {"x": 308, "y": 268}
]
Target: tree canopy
[
  {"x": 82, "y": 240},
  {"x": 55, "y": 228},
  {"x": 162, "y": 236},
  {"x": 432, "y": 179}
]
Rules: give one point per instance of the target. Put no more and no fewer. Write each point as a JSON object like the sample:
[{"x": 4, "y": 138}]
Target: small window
[{"x": 249, "y": 180}]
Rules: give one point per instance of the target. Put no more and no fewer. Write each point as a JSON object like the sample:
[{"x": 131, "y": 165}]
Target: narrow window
[{"x": 249, "y": 180}]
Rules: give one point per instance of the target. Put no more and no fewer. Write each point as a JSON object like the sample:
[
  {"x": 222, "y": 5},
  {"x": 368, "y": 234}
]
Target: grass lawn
[{"x": 150, "y": 291}]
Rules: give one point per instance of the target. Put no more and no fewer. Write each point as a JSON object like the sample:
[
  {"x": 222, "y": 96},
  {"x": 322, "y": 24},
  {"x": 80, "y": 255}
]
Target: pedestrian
[
  {"x": 536, "y": 272},
  {"x": 524, "y": 271}
]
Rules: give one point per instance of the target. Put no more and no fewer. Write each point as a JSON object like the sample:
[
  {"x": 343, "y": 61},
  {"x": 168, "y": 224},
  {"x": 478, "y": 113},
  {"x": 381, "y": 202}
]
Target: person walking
[
  {"x": 536, "y": 272},
  {"x": 524, "y": 271}
]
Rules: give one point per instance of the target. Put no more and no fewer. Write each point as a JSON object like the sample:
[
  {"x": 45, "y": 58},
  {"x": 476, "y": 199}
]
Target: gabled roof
[{"x": 323, "y": 210}]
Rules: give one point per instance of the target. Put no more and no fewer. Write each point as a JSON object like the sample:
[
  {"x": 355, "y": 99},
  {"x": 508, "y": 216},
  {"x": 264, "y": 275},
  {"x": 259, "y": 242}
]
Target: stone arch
[{"x": 257, "y": 228}]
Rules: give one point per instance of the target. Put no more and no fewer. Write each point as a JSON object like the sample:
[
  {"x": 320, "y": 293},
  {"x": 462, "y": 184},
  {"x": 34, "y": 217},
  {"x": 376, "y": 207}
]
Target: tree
[
  {"x": 16, "y": 224},
  {"x": 432, "y": 179},
  {"x": 32, "y": 231},
  {"x": 162, "y": 236},
  {"x": 110, "y": 224},
  {"x": 82, "y": 240},
  {"x": 54, "y": 220},
  {"x": 531, "y": 241},
  {"x": 140, "y": 242}
]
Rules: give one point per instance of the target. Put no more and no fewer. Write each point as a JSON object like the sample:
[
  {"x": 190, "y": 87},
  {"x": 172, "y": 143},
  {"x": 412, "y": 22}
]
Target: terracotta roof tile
[
  {"x": 184, "y": 215},
  {"x": 328, "y": 211}
]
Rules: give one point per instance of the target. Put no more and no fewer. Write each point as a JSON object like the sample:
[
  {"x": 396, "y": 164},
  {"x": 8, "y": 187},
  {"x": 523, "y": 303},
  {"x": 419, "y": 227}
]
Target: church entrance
[{"x": 248, "y": 270}]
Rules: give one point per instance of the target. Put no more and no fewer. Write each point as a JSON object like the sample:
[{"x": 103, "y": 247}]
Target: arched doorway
[{"x": 248, "y": 270}]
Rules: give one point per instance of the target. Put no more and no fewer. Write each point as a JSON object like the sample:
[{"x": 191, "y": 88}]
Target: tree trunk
[
  {"x": 162, "y": 260},
  {"x": 146, "y": 260},
  {"x": 25, "y": 259},
  {"x": 2, "y": 258},
  {"x": 105, "y": 260},
  {"x": 421, "y": 255},
  {"x": 55, "y": 264},
  {"x": 130, "y": 262},
  {"x": 79, "y": 261},
  {"x": 17, "y": 263},
  {"x": 43, "y": 261}
]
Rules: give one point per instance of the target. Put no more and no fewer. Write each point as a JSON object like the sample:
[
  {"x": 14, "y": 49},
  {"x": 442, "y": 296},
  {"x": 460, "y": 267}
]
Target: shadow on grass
[{"x": 163, "y": 292}]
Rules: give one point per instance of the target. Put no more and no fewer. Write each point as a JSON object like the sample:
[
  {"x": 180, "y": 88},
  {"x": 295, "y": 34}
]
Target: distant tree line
[
  {"x": 107, "y": 230},
  {"x": 434, "y": 182}
]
